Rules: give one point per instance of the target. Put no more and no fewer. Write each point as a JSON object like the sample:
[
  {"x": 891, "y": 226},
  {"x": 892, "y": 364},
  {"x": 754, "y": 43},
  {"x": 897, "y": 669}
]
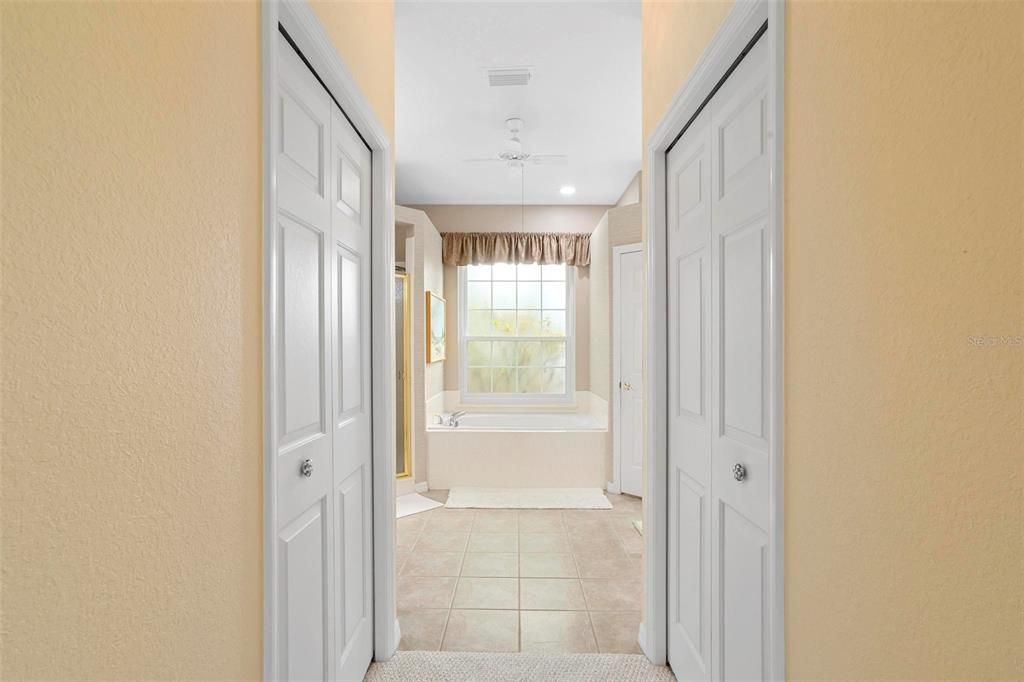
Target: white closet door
[
  {"x": 351, "y": 485},
  {"x": 324, "y": 626},
  {"x": 304, "y": 406},
  {"x": 718, "y": 204},
  {"x": 740, "y": 471},
  {"x": 688, "y": 180}
]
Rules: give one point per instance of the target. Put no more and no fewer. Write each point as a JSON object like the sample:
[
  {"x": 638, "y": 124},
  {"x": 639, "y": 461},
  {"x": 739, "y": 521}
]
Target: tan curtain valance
[{"x": 546, "y": 248}]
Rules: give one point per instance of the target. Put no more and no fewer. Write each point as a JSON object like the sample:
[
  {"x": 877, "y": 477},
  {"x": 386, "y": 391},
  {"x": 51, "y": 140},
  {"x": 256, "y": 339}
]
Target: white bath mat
[
  {"x": 527, "y": 498},
  {"x": 413, "y": 503}
]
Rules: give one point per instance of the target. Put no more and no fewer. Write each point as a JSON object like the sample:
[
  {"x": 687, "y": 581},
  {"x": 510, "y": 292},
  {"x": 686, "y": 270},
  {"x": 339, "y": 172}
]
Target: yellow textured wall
[
  {"x": 364, "y": 33},
  {"x": 131, "y": 332},
  {"x": 903, "y": 239}
]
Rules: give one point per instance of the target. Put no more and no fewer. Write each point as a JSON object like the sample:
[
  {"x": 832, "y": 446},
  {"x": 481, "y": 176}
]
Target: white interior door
[
  {"x": 323, "y": 627},
  {"x": 627, "y": 291},
  {"x": 719, "y": 515}
]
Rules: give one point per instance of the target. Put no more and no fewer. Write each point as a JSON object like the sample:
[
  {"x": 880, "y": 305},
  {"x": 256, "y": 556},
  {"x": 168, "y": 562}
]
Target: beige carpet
[{"x": 438, "y": 666}]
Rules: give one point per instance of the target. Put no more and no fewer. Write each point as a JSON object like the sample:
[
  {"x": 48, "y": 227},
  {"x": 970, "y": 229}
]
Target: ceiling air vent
[{"x": 519, "y": 75}]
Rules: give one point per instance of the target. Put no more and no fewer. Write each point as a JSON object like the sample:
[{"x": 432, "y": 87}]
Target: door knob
[
  {"x": 739, "y": 472},
  {"x": 627, "y": 387},
  {"x": 307, "y": 468}
]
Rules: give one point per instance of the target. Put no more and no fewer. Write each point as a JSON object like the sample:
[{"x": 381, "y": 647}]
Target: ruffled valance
[{"x": 546, "y": 248}]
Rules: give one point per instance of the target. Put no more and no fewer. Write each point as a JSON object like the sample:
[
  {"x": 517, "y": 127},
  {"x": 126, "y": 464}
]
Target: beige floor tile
[
  {"x": 586, "y": 514},
  {"x": 547, "y": 566},
  {"x": 414, "y": 523},
  {"x": 493, "y": 542},
  {"x": 616, "y": 632},
  {"x": 537, "y": 523},
  {"x": 449, "y": 523},
  {"x": 605, "y": 564},
  {"x": 432, "y": 564},
  {"x": 597, "y": 543},
  {"x": 400, "y": 556},
  {"x": 490, "y": 631},
  {"x": 583, "y": 526},
  {"x": 613, "y": 595},
  {"x": 551, "y": 594},
  {"x": 491, "y": 565},
  {"x": 626, "y": 504},
  {"x": 425, "y": 593},
  {"x": 422, "y": 629},
  {"x": 405, "y": 538},
  {"x": 487, "y": 593},
  {"x": 496, "y": 521},
  {"x": 557, "y": 632},
  {"x": 441, "y": 542},
  {"x": 634, "y": 545},
  {"x": 623, "y": 526},
  {"x": 437, "y": 495},
  {"x": 543, "y": 542}
]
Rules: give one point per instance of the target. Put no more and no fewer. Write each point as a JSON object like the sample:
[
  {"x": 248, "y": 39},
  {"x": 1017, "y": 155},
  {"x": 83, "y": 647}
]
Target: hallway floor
[{"x": 531, "y": 580}]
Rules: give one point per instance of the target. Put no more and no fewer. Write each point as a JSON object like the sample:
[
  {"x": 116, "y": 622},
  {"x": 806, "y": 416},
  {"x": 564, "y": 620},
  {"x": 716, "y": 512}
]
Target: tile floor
[{"x": 531, "y": 580}]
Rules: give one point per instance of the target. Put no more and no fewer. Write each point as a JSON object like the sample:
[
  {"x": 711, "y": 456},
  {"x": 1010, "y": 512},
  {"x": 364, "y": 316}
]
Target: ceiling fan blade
[
  {"x": 550, "y": 160},
  {"x": 488, "y": 160}
]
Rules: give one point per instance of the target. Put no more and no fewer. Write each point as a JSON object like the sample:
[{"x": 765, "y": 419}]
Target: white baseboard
[
  {"x": 613, "y": 487},
  {"x": 422, "y": 487},
  {"x": 641, "y": 639},
  {"x": 398, "y": 633}
]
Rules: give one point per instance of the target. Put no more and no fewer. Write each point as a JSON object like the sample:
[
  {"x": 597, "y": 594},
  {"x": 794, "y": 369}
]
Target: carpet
[
  {"x": 527, "y": 498},
  {"x": 437, "y": 666},
  {"x": 413, "y": 503}
]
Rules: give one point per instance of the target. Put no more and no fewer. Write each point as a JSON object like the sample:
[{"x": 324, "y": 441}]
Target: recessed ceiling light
[{"x": 567, "y": 190}]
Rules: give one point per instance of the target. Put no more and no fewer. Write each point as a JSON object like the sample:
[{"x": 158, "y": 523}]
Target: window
[{"x": 516, "y": 332}]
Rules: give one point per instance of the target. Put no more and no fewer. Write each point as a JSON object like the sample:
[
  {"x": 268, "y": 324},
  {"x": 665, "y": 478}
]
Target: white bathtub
[
  {"x": 519, "y": 449},
  {"x": 524, "y": 421}
]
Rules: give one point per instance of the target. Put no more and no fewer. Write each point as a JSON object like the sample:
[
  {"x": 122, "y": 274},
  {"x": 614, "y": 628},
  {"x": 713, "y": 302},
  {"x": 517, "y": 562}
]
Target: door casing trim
[
  {"x": 615, "y": 485},
  {"x": 742, "y": 23},
  {"x": 309, "y": 35}
]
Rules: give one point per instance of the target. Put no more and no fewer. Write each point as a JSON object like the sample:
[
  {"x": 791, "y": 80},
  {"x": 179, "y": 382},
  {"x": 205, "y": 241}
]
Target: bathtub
[{"x": 519, "y": 449}]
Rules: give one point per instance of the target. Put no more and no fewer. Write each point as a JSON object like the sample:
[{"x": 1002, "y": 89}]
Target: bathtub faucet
[{"x": 453, "y": 418}]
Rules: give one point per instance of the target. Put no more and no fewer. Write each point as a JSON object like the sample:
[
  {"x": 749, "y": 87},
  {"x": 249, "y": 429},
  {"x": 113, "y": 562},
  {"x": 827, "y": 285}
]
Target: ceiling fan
[{"x": 513, "y": 154}]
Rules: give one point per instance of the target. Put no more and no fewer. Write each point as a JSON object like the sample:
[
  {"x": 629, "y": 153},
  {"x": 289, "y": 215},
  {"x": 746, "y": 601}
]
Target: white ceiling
[{"x": 583, "y": 99}]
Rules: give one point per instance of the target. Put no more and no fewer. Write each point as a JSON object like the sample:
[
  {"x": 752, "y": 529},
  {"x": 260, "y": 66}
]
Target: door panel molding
[
  {"x": 291, "y": 172},
  {"x": 746, "y": 21}
]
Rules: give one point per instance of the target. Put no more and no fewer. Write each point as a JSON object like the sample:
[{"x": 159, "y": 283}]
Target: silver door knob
[
  {"x": 307, "y": 468},
  {"x": 627, "y": 387},
  {"x": 739, "y": 472}
]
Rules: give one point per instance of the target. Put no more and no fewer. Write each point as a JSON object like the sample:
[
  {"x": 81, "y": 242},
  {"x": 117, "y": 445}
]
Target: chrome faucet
[{"x": 453, "y": 418}]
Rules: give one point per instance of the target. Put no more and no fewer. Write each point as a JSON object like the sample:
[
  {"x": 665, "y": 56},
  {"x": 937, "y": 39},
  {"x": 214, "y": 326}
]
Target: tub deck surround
[
  {"x": 509, "y": 580},
  {"x": 519, "y": 446},
  {"x": 523, "y": 421},
  {"x": 517, "y": 458}
]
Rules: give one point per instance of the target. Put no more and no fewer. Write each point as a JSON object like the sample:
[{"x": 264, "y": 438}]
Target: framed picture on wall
[{"x": 435, "y": 327}]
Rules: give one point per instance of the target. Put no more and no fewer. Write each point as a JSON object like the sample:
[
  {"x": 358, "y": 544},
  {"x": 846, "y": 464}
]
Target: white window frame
[{"x": 467, "y": 398}]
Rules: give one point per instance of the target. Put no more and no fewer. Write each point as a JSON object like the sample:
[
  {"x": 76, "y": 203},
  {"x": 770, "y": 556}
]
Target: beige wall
[
  {"x": 363, "y": 31},
  {"x": 131, "y": 331},
  {"x": 481, "y": 218},
  {"x": 903, "y": 238},
  {"x": 631, "y": 195},
  {"x": 426, "y": 274},
  {"x": 624, "y": 223}
]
